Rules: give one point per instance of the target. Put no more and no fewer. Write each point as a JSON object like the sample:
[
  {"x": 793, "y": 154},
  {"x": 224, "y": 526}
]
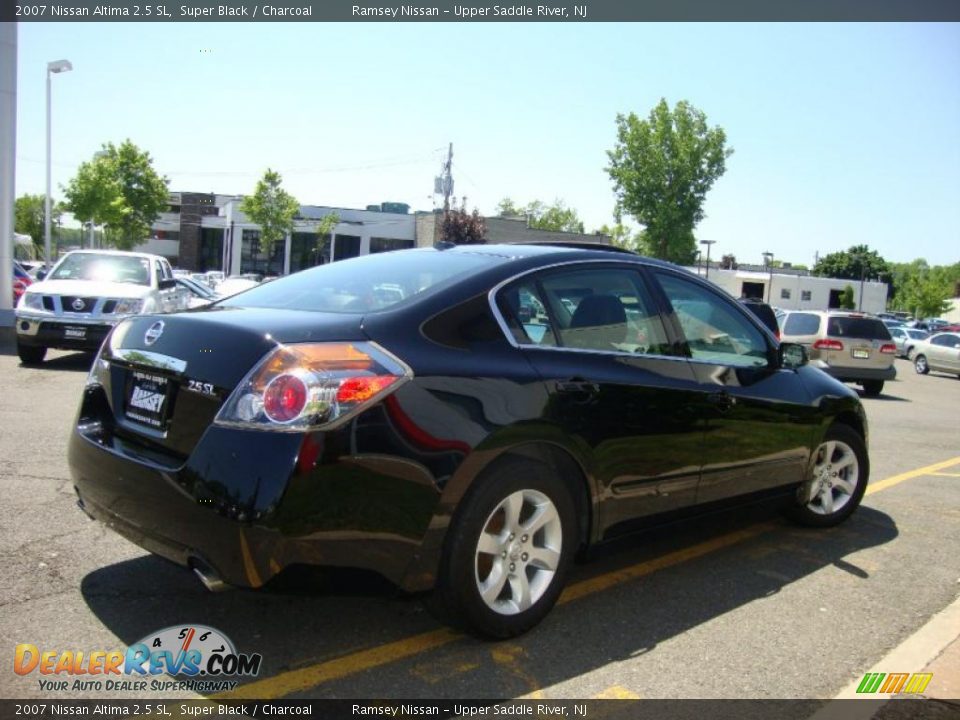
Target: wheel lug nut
[
  {"x": 524, "y": 557},
  {"x": 512, "y": 536},
  {"x": 503, "y": 554},
  {"x": 523, "y": 539},
  {"x": 512, "y": 567}
]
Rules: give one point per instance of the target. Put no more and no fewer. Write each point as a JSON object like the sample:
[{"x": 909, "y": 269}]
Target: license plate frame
[
  {"x": 147, "y": 399},
  {"x": 73, "y": 332},
  {"x": 860, "y": 354}
]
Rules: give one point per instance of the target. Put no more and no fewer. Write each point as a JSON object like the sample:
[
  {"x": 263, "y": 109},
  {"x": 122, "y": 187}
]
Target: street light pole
[
  {"x": 57, "y": 66},
  {"x": 768, "y": 259},
  {"x": 708, "y": 243}
]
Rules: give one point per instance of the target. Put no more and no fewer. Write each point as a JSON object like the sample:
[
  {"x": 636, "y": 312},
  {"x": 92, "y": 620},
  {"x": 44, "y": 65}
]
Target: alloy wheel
[{"x": 836, "y": 473}]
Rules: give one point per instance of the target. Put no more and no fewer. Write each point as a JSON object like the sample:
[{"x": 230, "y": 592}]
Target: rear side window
[
  {"x": 801, "y": 324},
  {"x": 857, "y": 327}
]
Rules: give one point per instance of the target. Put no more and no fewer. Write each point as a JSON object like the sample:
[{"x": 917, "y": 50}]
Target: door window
[
  {"x": 716, "y": 331},
  {"x": 607, "y": 310}
]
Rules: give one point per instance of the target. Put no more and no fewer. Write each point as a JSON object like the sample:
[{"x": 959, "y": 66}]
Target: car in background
[
  {"x": 765, "y": 314},
  {"x": 905, "y": 338},
  {"x": 198, "y": 294},
  {"x": 21, "y": 280},
  {"x": 445, "y": 437},
  {"x": 235, "y": 284},
  {"x": 88, "y": 292},
  {"x": 850, "y": 346},
  {"x": 939, "y": 352}
]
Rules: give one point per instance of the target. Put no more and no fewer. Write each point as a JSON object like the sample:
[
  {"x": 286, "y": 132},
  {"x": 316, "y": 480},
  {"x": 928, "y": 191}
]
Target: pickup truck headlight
[
  {"x": 129, "y": 307},
  {"x": 31, "y": 301}
]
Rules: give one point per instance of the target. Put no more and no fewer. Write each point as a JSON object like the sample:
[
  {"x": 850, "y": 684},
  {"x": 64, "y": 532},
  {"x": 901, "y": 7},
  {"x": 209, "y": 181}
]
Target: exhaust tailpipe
[{"x": 208, "y": 576}]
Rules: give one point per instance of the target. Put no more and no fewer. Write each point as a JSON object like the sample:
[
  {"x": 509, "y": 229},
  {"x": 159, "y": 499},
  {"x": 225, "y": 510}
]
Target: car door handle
[
  {"x": 578, "y": 386},
  {"x": 722, "y": 400}
]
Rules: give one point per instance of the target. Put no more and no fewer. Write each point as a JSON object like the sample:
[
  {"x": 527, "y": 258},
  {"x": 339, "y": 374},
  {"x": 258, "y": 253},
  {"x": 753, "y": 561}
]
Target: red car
[{"x": 21, "y": 279}]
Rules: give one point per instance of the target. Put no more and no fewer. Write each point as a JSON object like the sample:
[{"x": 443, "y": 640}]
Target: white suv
[{"x": 86, "y": 294}]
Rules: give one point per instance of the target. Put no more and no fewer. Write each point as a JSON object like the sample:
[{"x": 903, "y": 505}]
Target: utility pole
[{"x": 443, "y": 184}]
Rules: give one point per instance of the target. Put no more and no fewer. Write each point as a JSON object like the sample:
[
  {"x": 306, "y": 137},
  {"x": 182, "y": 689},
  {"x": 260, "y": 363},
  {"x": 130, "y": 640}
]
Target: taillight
[
  {"x": 889, "y": 349},
  {"x": 312, "y": 385},
  {"x": 828, "y": 345}
]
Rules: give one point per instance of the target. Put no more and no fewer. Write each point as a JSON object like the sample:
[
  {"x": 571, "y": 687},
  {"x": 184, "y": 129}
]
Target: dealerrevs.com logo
[{"x": 202, "y": 657}]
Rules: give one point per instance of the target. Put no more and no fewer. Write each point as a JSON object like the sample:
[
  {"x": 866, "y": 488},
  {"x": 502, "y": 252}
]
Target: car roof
[{"x": 562, "y": 251}]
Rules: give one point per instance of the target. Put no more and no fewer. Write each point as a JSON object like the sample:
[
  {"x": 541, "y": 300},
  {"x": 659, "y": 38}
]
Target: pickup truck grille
[{"x": 76, "y": 304}]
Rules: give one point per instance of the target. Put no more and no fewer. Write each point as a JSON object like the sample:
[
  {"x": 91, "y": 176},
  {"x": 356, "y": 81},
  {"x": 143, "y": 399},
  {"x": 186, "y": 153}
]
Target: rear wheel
[
  {"x": 836, "y": 480},
  {"x": 508, "y": 551},
  {"x": 872, "y": 388},
  {"x": 920, "y": 365},
  {"x": 31, "y": 354}
]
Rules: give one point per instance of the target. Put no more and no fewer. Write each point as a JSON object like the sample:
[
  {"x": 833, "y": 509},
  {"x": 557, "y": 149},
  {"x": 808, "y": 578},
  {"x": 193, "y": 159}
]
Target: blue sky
[{"x": 843, "y": 133}]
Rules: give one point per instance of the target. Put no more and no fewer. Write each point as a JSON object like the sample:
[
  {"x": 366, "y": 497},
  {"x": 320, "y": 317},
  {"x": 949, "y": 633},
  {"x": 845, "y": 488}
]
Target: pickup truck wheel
[{"x": 31, "y": 354}]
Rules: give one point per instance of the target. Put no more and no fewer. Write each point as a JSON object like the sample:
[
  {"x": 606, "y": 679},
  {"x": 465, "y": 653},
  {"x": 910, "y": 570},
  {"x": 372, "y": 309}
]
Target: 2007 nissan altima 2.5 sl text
[{"x": 462, "y": 419}]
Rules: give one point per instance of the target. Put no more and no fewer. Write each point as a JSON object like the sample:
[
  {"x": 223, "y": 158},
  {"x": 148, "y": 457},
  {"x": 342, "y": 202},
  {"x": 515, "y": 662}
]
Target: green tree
[
  {"x": 29, "y": 215},
  {"x": 556, "y": 216},
  {"x": 120, "y": 190},
  {"x": 621, "y": 235},
  {"x": 926, "y": 294},
  {"x": 662, "y": 169},
  {"x": 857, "y": 262},
  {"x": 272, "y": 208},
  {"x": 846, "y": 299}
]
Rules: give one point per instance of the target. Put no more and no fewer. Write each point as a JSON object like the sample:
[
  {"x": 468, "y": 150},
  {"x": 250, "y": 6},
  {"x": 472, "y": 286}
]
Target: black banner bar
[{"x": 472, "y": 11}]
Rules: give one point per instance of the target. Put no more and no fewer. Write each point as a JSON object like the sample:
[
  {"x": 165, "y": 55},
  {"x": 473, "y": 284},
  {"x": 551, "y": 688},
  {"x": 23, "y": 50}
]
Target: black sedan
[{"x": 459, "y": 418}]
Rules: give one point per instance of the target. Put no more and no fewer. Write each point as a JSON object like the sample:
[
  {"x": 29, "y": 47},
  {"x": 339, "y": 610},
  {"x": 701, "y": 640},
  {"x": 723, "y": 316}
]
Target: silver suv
[{"x": 850, "y": 346}]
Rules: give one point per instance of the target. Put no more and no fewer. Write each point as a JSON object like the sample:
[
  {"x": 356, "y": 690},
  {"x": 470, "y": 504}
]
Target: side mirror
[
  {"x": 41, "y": 273},
  {"x": 167, "y": 283},
  {"x": 792, "y": 355}
]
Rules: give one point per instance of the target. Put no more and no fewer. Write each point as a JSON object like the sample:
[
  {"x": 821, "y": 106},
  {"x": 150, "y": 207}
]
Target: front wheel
[
  {"x": 836, "y": 481},
  {"x": 872, "y": 388},
  {"x": 920, "y": 365},
  {"x": 508, "y": 550},
  {"x": 31, "y": 354}
]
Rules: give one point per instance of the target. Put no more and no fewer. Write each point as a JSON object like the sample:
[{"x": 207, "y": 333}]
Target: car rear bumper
[
  {"x": 856, "y": 374},
  {"x": 248, "y": 504}
]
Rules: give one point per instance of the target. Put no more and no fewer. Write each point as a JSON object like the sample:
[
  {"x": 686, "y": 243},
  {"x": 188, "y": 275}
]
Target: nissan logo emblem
[
  {"x": 153, "y": 333},
  {"x": 78, "y": 304}
]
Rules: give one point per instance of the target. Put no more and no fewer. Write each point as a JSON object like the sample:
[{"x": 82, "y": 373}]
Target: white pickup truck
[{"x": 86, "y": 294}]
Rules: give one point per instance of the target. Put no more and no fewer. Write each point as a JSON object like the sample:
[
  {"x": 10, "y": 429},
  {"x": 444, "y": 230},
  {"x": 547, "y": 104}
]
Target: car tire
[
  {"x": 920, "y": 365},
  {"x": 872, "y": 388},
  {"x": 909, "y": 353},
  {"x": 31, "y": 354},
  {"x": 508, "y": 551},
  {"x": 837, "y": 478}
]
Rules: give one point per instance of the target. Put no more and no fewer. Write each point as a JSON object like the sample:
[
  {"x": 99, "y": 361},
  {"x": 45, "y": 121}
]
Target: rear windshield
[
  {"x": 801, "y": 324},
  {"x": 857, "y": 327},
  {"x": 365, "y": 284}
]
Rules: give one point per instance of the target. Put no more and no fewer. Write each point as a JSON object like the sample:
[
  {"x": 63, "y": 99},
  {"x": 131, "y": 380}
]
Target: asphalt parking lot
[{"x": 739, "y": 605}]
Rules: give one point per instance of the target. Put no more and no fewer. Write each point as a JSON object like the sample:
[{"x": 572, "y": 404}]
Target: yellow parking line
[
  {"x": 897, "y": 479},
  {"x": 616, "y": 692},
  {"x": 943, "y": 474},
  {"x": 301, "y": 679}
]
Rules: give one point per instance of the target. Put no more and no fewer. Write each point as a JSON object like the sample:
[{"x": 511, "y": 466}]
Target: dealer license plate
[
  {"x": 861, "y": 354},
  {"x": 147, "y": 399},
  {"x": 76, "y": 333}
]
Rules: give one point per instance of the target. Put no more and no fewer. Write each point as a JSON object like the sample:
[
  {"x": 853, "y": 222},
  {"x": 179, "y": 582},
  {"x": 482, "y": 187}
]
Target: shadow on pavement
[{"x": 311, "y": 622}]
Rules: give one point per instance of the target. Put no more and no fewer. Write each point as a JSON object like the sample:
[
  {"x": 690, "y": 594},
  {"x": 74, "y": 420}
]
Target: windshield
[
  {"x": 365, "y": 284},
  {"x": 103, "y": 268}
]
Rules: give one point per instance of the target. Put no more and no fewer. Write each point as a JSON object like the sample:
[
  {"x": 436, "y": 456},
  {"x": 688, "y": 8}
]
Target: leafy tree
[
  {"x": 622, "y": 236},
  {"x": 462, "y": 228},
  {"x": 272, "y": 208},
  {"x": 29, "y": 213},
  {"x": 662, "y": 169},
  {"x": 857, "y": 262},
  {"x": 846, "y": 299},
  {"x": 729, "y": 262},
  {"x": 925, "y": 294},
  {"x": 556, "y": 217},
  {"x": 119, "y": 189}
]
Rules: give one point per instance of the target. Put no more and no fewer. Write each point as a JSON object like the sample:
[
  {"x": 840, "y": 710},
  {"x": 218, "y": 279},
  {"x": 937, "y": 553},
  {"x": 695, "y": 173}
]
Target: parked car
[
  {"x": 86, "y": 293},
  {"x": 939, "y": 352},
  {"x": 21, "y": 281},
  {"x": 197, "y": 294},
  {"x": 766, "y": 314},
  {"x": 850, "y": 346},
  {"x": 445, "y": 438},
  {"x": 905, "y": 338}
]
